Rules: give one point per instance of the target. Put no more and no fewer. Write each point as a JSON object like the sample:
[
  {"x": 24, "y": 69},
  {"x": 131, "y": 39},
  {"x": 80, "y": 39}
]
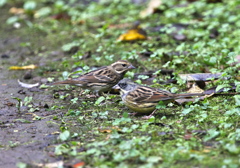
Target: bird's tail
[
  {"x": 185, "y": 95},
  {"x": 68, "y": 82}
]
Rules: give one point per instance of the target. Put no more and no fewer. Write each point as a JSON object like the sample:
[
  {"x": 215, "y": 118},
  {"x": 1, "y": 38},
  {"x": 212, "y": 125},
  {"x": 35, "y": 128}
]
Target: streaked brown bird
[
  {"x": 102, "y": 79},
  {"x": 143, "y": 99}
]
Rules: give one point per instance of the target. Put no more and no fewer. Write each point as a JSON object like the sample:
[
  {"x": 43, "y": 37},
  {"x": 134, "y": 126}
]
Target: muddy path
[
  {"x": 27, "y": 130},
  {"x": 25, "y": 136}
]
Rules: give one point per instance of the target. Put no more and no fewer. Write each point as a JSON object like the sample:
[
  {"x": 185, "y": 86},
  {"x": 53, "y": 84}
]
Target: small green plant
[{"x": 19, "y": 104}]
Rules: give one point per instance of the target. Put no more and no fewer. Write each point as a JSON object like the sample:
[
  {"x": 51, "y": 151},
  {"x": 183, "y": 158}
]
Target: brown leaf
[
  {"x": 16, "y": 11},
  {"x": 237, "y": 60},
  {"x": 195, "y": 89},
  {"x": 78, "y": 165},
  {"x": 117, "y": 26},
  {"x": 199, "y": 76},
  {"x": 151, "y": 8},
  {"x": 181, "y": 101},
  {"x": 61, "y": 16},
  {"x": 109, "y": 130},
  {"x": 187, "y": 136}
]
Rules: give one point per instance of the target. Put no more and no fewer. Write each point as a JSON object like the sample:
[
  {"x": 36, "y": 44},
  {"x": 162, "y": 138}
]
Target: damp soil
[{"x": 28, "y": 130}]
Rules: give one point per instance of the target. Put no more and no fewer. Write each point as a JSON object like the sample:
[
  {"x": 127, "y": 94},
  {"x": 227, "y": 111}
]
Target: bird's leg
[
  {"x": 149, "y": 116},
  {"x": 133, "y": 114},
  {"x": 94, "y": 95},
  {"x": 81, "y": 93}
]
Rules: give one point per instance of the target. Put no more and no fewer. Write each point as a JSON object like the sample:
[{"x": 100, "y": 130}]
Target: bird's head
[{"x": 122, "y": 66}]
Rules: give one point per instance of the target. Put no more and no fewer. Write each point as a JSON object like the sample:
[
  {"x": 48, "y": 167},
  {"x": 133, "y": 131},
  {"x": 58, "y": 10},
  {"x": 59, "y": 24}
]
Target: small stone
[
  {"x": 27, "y": 75},
  {"x": 5, "y": 56}
]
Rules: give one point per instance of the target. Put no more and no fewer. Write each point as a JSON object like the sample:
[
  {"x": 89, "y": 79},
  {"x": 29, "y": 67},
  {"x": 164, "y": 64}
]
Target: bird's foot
[{"x": 149, "y": 116}]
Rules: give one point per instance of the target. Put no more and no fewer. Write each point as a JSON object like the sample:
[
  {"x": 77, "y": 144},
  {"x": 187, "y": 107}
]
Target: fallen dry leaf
[
  {"x": 135, "y": 33},
  {"x": 108, "y": 130},
  {"x": 26, "y": 85},
  {"x": 119, "y": 26},
  {"x": 185, "y": 100},
  {"x": 151, "y": 8},
  {"x": 195, "y": 89},
  {"x": 61, "y": 16},
  {"x": 16, "y": 11},
  {"x": 237, "y": 60},
  {"x": 188, "y": 136},
  {"x": 50, "y": 165},
  {"x": 199, "y": 76},
  {"x": 79, "y": 164},
  {"x": 23, "y": 67}
]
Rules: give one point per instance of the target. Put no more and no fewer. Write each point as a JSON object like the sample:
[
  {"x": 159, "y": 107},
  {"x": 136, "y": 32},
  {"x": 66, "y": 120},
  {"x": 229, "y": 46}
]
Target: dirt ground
[{"x": 26, "y": 136}]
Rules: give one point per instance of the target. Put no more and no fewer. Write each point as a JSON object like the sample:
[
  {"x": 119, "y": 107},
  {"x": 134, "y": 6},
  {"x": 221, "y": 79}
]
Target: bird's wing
[
  {"x": 98, "y": 76},
  {"x": 145, "y": 94}
]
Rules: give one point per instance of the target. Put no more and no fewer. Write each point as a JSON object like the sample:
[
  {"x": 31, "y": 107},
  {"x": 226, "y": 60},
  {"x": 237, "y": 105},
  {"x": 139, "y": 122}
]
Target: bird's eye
[
  {"x": 124, "y": 65},
  {"x": 122, "y": 85}
]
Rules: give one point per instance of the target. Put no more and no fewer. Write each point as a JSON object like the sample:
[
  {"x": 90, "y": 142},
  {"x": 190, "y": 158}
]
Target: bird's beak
[
  {"x": 131, "y": 67},
  {"x": 116, "y": 87}
]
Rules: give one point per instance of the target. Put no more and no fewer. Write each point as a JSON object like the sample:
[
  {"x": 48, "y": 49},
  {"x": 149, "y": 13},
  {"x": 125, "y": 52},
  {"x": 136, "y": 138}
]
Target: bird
[
  {"x": 102, "y": 79},
  {"x": 144, "y": 99}
]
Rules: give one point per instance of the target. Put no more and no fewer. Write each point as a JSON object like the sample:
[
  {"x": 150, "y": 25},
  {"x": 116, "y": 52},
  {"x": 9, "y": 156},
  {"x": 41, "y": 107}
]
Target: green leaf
[
  {"x": 154, "y": 159},
  {"x": 134, "y": 126},
  {"x": 65, "y": 75},
  {"x": 23, "y": 120},
  {"x": 238, "y": 87},
  {"x": 2, "y": 2},
  {"x": 219, "y": 87},
  {"x": 69, "y": 46},
  {"x": 143, "y": 77},
  {"x": 30, "y": 5},
  {"x": 213, "y": 60},
  {"x": 232, "y": 148},
  {"x": 12, "y": 20},
  {"x": 186, "y": 111},
  {"x": 99, "y": 100},
  {"x": 232, "y": 111},
  {"x": 212, "y": 133},
  {"x": 161, "y": 104},
  {"x": 45, "y": 11},
  {"x": 125, "y": 115},
  {"x": 64, "y": 135},
  {"x": 21, "y": 165},
  {"x": 60, "y": 149},
  {"x": 237, "y": 100}
]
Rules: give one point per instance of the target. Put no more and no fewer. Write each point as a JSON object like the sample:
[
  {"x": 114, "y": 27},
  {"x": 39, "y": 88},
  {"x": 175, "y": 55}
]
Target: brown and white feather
[
  {"x": 102, "y": 79},
  {"x": 144, "y": 99}
]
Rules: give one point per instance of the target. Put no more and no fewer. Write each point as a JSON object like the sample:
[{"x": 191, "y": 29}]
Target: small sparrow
[
  {"x": 102, "y": 79},
  {"x": 143, "y": 99}
]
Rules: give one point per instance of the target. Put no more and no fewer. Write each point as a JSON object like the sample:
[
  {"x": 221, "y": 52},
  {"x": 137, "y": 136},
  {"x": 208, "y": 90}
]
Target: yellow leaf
[
  {"x": 16, "y": 11},
  {"x": 109, "y": 130},
  {"x": 136, "y": 33},
  {"x": 23, "y": 67},
  {"x": 195, "y": 89}
]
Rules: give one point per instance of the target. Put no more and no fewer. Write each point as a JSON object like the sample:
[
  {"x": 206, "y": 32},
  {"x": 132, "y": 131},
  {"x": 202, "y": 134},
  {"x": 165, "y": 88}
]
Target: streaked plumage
[
  {"x": 143, "y": 99},
  {"x": 102, "y": 79}
]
